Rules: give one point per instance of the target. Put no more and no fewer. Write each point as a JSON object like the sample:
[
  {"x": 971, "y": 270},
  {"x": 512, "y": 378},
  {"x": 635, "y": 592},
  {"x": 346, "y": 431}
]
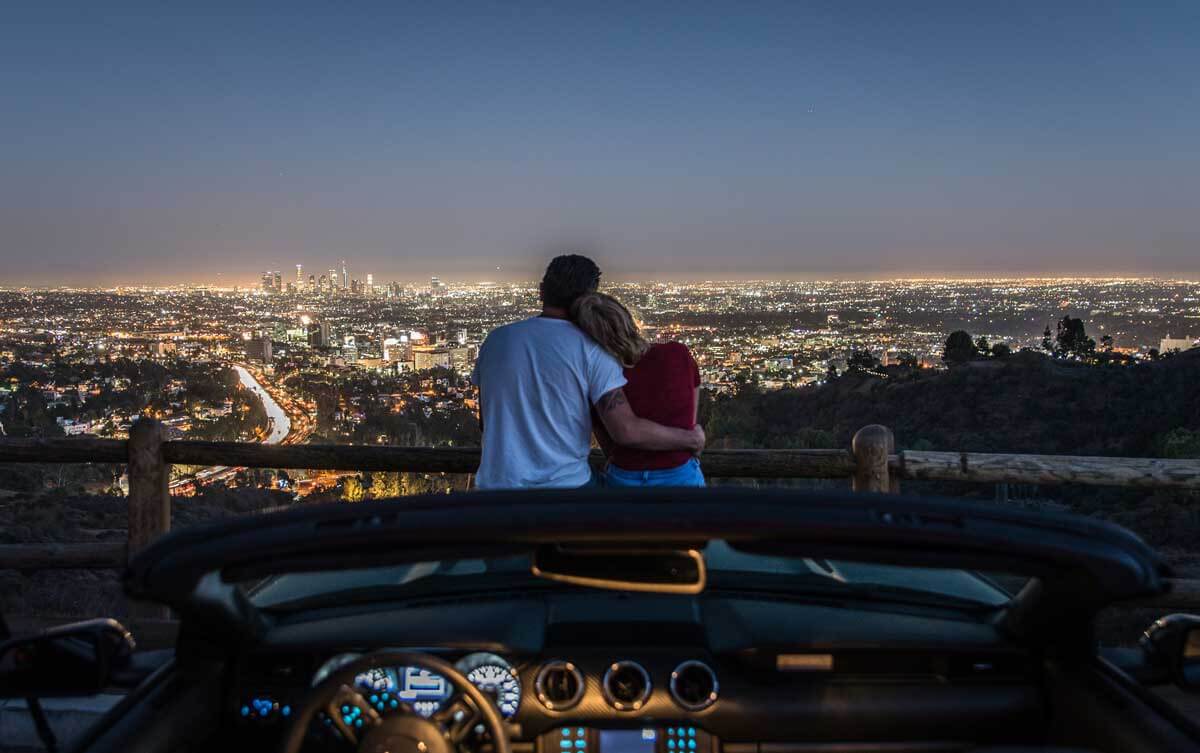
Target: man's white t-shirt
[{"x": 537, "y": 380}]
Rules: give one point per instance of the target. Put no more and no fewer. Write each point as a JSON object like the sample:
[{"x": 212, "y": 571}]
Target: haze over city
[{"x": 773, "y": 140}]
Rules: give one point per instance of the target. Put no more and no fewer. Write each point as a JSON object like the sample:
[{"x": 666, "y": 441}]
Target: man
[{"x": 538, "y": 380}]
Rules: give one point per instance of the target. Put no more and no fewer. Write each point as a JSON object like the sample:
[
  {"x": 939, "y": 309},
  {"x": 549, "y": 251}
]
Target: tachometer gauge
[
  {"x": 376, "y": 679},
  {"x": 495, "y": 677}
]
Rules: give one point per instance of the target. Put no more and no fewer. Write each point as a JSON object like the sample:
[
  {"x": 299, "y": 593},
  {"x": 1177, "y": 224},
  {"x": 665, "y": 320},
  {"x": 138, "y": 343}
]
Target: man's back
[{"x": 538, "y": 379}]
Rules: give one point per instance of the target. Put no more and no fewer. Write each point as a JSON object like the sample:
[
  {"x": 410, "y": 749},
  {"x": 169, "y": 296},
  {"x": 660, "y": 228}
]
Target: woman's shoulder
[
  {"x": 671, "y": 348},
  {"x": 670, "y": 352}
]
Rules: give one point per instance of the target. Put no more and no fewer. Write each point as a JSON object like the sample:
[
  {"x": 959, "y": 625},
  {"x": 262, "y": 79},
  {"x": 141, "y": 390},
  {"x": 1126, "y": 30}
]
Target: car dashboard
[{"x": 591, "y": 672}]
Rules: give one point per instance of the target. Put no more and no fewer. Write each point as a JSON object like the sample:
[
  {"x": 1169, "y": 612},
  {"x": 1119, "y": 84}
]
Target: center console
[{"x": 671, "y": 738}]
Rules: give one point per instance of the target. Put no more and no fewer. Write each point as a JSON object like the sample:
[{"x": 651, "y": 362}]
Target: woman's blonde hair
[{"x": 608, "y": 322}]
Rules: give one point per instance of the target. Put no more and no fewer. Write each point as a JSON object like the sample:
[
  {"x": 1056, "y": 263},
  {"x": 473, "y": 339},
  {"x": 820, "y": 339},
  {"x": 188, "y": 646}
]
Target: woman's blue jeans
[{"x": 688, "y": 474}]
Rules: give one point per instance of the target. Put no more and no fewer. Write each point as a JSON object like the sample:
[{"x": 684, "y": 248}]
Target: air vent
[
  {"x": 626, "y": 686},
  {"x": 694, "y": 685},
  {"x": 559, "y": 685}
]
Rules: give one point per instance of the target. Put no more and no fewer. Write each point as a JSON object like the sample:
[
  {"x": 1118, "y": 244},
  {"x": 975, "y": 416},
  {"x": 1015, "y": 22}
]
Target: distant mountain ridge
[{"x": 1026, "y": 403}]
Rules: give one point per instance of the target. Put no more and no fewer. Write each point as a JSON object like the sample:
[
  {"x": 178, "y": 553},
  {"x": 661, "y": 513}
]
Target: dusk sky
[{"x": 153, "y": 143}]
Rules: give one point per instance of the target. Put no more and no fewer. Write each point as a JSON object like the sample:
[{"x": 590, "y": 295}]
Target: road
[
  {"x": 285, "y": 426},
  {"x": 281, "y": 423}
]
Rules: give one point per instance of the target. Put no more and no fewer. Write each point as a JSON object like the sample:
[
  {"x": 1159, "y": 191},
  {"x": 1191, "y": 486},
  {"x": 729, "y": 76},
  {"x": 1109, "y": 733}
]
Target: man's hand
[
  {"x": 701, "y": 439},
  {"x": 628, "y": 430}
]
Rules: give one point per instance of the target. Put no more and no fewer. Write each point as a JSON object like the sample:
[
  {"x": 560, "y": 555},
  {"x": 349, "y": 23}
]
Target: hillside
[{"x": 1027, "y": 403}]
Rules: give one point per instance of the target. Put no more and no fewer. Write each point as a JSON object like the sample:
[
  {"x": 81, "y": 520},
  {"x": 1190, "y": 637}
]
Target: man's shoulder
[
  {"x": 544, "y": 335},
  {"x": 506, "y": 332},
  {"x": 506, "y": 329}
]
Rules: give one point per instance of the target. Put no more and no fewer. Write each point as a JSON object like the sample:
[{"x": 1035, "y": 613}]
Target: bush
[{"x": 1180, "y": 443}]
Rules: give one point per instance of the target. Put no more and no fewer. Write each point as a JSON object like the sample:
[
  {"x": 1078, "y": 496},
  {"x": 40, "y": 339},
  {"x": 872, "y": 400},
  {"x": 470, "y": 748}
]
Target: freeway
[
  {"x": 287, "y": 424},
  {"x": 280, "y": 422}
]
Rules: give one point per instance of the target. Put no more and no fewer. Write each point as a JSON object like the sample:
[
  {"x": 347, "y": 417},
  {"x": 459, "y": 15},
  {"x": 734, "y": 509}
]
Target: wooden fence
[{"x": 872, "y": 463}]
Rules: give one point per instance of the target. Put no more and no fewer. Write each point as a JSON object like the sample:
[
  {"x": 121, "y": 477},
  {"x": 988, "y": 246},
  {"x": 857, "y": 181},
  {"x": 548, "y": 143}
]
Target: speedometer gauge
[{"x": 495, "y": 677}]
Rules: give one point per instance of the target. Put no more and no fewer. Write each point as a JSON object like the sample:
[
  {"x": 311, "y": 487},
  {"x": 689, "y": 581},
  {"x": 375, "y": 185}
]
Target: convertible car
[{"x": 668, "y": 621}]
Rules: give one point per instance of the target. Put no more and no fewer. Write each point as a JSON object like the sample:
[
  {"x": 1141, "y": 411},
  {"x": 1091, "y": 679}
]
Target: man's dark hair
[{"x": 568, "y": 277}]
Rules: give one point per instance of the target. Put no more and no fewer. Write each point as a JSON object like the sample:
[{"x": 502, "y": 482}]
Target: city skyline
[
  {"x": 531, "y": 282},
  {"x": 842, "y": 141}
]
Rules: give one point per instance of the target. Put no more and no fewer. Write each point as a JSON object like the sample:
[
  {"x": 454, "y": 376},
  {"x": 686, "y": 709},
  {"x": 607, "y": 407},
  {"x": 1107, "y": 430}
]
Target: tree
[
  {"x": 1000, "y": 350},
  {"x": 385, "y": 485},
  {"x": 831, "y": 373},
  {"x": 1106, "y": 343},
  {"x": 352, "y": 489},
  {"x": 1047, "y": 343},
  {"x": 1072, "y": 340},
  {"x": 416, "y": 483},
  {"x": 907, "y": 360},
  {"x": 960, "y": 348},
  {"x": 861, "y": 360},
  {"x": 982, "y": 346}
]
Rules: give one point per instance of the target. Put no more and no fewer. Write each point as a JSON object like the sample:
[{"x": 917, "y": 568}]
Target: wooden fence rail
[{"x": 872, "y": 463}]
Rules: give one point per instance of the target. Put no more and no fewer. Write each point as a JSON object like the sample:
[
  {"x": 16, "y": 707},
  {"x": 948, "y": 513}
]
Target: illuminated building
[
  {"x": 460, "y": 359},
  {"x": 318, "y": 335},
  {"x": 259, "y": 349},
  {"x": 394, "y": 350},
  {"x": 427, "y": 357},
  {"x": 1168, "y": 344}
]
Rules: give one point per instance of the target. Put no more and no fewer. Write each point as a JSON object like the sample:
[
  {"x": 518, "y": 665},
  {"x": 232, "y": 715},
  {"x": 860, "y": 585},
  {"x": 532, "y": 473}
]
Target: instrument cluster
[{"x": 387, "y": 688}]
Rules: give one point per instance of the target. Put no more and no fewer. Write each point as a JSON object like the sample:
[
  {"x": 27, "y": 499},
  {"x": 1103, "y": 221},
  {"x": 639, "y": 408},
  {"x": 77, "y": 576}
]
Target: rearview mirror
[
  {"x": 672, "y": 571},
  {"x": 1173, "y": 643},
  {"x": 71, "y": 660}
]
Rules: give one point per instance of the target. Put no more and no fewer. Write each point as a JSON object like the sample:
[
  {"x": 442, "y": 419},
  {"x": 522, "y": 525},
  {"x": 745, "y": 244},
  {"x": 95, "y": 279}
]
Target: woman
[{"x": 663, "y": 386}]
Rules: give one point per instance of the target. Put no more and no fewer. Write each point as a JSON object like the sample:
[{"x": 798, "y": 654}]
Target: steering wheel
[{"x": 349, "y": 714}]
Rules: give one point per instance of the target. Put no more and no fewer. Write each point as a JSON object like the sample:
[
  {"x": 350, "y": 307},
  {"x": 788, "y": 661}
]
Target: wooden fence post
[
  {"x": 872, "y": 446},
  {"x": 149, "y": 501}
]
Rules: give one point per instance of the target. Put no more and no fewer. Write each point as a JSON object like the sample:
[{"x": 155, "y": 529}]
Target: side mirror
[
  {"x": 71, "y": 660},
  {"x": 1189, "y": 660},
  {"x": 1173, "y": 643}
]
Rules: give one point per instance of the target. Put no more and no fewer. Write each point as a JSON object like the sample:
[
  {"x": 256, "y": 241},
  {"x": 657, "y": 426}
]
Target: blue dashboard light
[
  {"x": 692, "y": 744},
  {"x": 374, "y": 698},
  {"x": 580, "y": 732},
  {"x": 565, "y": 744},
  {"x": 245, "y": 711},
  {"x": 286, "y": 711},
  {"x": 566, "y": 732},
  {"x": 691, "y": 731},
  {"x": 580, "y": 744},
  {"x": 671, "y": 744}
]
